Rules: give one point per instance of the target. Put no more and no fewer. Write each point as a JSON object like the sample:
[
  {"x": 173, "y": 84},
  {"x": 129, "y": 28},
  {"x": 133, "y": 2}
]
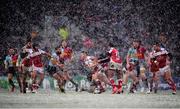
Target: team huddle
[{"x": 143, "y": 67}]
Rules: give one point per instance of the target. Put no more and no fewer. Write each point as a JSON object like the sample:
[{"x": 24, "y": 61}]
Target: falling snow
[{"x": 101, "y": 21}]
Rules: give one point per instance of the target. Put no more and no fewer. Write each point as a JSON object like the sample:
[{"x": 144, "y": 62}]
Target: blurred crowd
[{"x": 93, "y": 24}]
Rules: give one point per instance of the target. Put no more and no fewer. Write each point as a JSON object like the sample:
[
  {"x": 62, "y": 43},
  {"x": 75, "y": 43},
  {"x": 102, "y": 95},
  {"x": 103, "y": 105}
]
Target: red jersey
[
  {"x": 161, "y": 58},
  {"x": 140, "y": 52},
  {"x": 27, "y": 62},
  {"x": 115, "y": 56},
  {"x": 35, "y": 57},
  {"x": 154, "y": 66},
  {"x": 14, "y": 59},
  {"x": 67, "y": 53}
]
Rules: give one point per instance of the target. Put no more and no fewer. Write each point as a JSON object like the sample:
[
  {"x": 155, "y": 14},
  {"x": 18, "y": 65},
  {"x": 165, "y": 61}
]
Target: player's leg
[
  {"x": 60, "y": 81},
  {"x": 150, "y": 82},
  {"x": 41, "y": 74},
  {"x": 110, "y": 75},
  {"x": 34, "y": 82},
  {"x": 133, "y": 75},
  {"x": 101, "y": 77},
  {"x": 119, "y": 75},
  {"x": 10, "y": 80},
  {"x": 156, "y": 80},
  {"x": 68, "y": 77},
  {"x": 169, "y": 80},
  {"x": 20, "y": 77},
  {"x": 11, "y": 71},
  {"x": 23, "y": 81},
  {"x": 143, "y": 79}
]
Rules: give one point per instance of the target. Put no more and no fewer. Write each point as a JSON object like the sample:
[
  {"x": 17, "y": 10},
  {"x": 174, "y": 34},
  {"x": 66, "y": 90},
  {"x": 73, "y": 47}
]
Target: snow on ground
[{"x": 85, "y": 99}]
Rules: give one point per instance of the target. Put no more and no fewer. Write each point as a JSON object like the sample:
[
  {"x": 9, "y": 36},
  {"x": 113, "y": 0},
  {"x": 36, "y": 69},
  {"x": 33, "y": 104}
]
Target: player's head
[
  {"x": 111, "y": 44},
  {"x": 23, "y": 55},
  {"x": 11, "y": 51},
  {"x": 83, "y": 55},
  {"x": 35, "y": 46},
  {"x": 29, "y": 43},
  {"x": 64, "y": 43},
  {"x": 136, "y": 43},
  {"x": 57, "y": 50},
  {"x": 156, "y": 46}
]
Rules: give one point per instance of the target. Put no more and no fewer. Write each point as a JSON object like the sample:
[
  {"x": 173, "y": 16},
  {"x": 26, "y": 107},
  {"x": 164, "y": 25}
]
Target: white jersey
[
  {"x": 89, "y": 60},
  {"x": 54, "y": 59}
]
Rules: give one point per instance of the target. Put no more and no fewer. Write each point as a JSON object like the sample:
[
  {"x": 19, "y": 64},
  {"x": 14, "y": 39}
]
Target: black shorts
[
  {"x": 51, "y": 70},
  {"x": 11, "y": 70}
]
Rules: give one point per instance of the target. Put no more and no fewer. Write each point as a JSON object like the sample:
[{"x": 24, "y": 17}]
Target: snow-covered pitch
[{"x": 163, "y": 99}]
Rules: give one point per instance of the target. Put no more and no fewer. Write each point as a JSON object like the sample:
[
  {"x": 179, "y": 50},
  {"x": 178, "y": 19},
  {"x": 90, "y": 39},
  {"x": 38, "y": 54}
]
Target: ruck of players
[{"x": 108, "y": 70}]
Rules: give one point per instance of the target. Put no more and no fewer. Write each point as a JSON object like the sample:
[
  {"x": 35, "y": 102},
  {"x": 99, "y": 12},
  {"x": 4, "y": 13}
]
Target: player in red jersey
[
  {"x": 163, "y": 61},
  {"x": 25, "y": 66},
  {"x": 115, "y": 65},
  {"x": 153, "y": 72},
  {"x": 37, "y": 64},
  {"x": 66, "y": 56}
]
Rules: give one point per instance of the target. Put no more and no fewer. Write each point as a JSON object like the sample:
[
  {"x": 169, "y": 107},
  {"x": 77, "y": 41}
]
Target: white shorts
[
  {"x": 115, "y": 66},
  {"x": 164, "y": 69},
  {"x": 27, "y": 69},
  {"x": 38, "y": 69}
]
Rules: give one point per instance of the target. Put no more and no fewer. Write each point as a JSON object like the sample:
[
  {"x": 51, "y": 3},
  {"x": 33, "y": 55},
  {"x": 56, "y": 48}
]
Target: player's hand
[
  {"x": 61, "y": 65},
  {"x": 19, "y": 69},
  {"x": 128, "y": 66}
]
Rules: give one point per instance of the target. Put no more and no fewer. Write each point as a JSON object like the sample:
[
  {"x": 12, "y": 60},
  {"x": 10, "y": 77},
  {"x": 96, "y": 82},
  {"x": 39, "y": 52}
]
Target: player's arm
[
  {"x": 127, "y": 59},
  {"x": 60, "y": 64},
  {"x": 169, "y": 59},
  {"x": 6, "y": 63},
  {"x": 45, "y": 53},
  {"x": 23, "y": 48},
  {"x": 18, "y": 61},
  {"x": 95, "y": 61}
]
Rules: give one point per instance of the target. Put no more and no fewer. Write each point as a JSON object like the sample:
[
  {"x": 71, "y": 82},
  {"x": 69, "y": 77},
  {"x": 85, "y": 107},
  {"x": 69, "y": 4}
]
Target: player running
[
  {"x": 55, "y": 68},
  {"x": 37, "y": 64},
  {"x": 115, "y": 66},
  {"x": 131, "y": 65},
  {"x": 25, "y": 66},
  {"x": 66, "y": 57},
  {"x": 162, "y": 60},
  {"x": 10, "y": 66}
]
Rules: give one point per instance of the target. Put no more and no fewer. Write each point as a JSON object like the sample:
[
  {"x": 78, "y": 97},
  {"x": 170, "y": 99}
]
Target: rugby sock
[
  {"x": 150, "y": 85},
  {"x": 112, "y": 82},
  {"x": 11, "y": 82},
  {"x": 40, "y": 82},
  {"x": 133, "y": 87},
  {"x": 171, "y": 84},
  {"x": 146, "y": 82},
  {"x": 120, "y": 85},
  {"x": 141, "y": 84},
  {"x": 114, "y": 87},
  {"x": 156, "y": 87},
  {"x": 73, "y": 82},
  {"x": 99, "y": 85}
]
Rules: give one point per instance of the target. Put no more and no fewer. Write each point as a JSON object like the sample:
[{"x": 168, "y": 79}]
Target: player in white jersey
[{"x": 97, "y": 72}]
